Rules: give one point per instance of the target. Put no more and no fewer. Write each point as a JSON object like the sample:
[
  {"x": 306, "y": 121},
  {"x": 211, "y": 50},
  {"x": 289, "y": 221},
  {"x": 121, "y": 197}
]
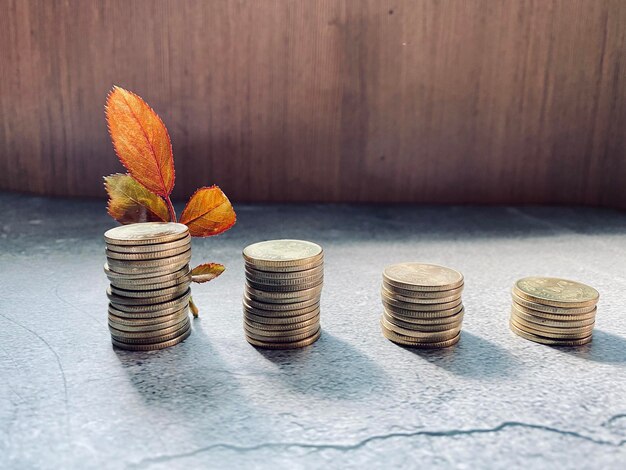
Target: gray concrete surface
[{"x": 353, "y": 400}]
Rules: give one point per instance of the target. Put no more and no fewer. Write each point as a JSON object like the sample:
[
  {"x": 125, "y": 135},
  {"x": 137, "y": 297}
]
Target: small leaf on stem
[
  {"x": 206, "y": 272},
  {"x": 130, "y": 202}
]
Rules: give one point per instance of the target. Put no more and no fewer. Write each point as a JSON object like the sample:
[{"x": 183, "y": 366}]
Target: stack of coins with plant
[
  {"x": 147, "y": 264},
  {"x": 281, "y": 303},
  {"x": 553, "y": 311},
  {"x": 422, "y": 305}
]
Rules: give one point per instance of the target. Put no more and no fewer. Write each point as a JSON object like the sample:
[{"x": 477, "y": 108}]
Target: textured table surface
[{"x": 352, "y": 400}]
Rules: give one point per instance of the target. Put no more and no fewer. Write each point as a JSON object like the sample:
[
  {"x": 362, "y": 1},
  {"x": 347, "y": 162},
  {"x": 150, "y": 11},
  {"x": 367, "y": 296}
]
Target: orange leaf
[
  {"x": 206, "y": 272},
  {"x": 208, "y": 212},
  {"x": 130, "y": 202},
  {"x": 141, "y": 141}
]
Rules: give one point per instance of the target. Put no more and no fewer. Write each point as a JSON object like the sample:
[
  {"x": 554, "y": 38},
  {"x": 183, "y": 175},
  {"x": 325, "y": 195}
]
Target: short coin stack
[
  {"x": 553, "y": 311},
  {"x": 148, "y": 267},
  {"x": 281, "y": 303},
  {"x": 422, "y": 305}
]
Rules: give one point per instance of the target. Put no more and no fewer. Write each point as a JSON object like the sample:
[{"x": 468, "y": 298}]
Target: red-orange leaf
[
  {"x": 206, "y": 272},
  {"x": 130, "y": 202},
  {"x": 208, "y": 212},
  {"x": 141, "y": 141}
]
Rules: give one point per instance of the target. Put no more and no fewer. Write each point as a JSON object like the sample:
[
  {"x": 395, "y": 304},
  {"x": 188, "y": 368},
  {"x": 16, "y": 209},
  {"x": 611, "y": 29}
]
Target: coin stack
[
  {"x": 553, "y": 311},
  {"x": 422, "y": 305},
  {"x": 148, "y": 267},
  {"x": 281, "y": 303}
]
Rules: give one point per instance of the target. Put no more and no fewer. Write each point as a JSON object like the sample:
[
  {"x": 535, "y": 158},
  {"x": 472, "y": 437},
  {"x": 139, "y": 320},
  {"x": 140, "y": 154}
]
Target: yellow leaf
[{"x": 130, "y": 202}]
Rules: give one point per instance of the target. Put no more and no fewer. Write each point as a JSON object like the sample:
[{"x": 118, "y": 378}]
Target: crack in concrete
[{"x": 144, "y": 463}]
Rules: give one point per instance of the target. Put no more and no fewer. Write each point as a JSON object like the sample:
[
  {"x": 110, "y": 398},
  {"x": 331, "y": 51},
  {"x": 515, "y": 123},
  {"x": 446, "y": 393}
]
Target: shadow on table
[
  {"x": 473, "y": 357},
  {"x": 605, "y": 348},
  {"x": 330, "y": 367}
]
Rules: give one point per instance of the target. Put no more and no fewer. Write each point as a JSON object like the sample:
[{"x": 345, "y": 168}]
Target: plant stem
[
  {"x": 170, "y": 209},
  {"x": 193, "y": 308}
]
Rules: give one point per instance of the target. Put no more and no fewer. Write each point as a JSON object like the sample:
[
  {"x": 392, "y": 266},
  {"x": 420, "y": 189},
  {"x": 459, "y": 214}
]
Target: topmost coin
[
  {"x": 277, "y": 253},
  {"x": 146, "y": 233},
  {"x": 556, "y": 292},
  {"x": 422, "y": 277}
]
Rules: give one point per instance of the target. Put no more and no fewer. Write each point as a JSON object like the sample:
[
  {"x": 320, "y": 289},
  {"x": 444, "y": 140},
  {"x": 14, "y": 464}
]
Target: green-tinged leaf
[
  {"x": 206, "y": 272},
  {"x": 130, "y": 202}
]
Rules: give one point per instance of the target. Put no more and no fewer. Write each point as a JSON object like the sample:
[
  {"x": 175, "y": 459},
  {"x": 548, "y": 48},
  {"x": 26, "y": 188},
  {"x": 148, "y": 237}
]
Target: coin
[
  {"x": 145, "y": 233},
  {"x": 165, "y": 274},
  {"x": 550, "y": 309},
  {"x": 282, "y": 253},
  {"x": 151, "y": 287},
  {"x": 157, "y": 247},
  {"x": 281, "y": 339},
  {"x": 299, "y": 324},
  {"x": 412, "y": 300},
  {"x": 549, "y": 341},
  {"x": 177, "y": 303},
  {"x": 151, "y": 294},
  {"x": 152, "y": 346},
  {"x": 556, "y": 292},
  {"x": 407, "y": 341},
  {"x": 425, "y": 336},
  {"x": 415, "y": 294},
  {"x": 429, "y": 324},
  {"x": 145, "y": 338},
  {"x": 283, "y": 322},
  {"x": 141, "y": 322},
  {"x": 549, "y": 334},
  {"x": 292, "y": 345},
  {"x": 277, "y": 282},
  {"x": 280, "y": 313},
  {"x": 146, "y": 328},
  {"x": 148, "y": 265},
  {"x": 283, "y": 297},
  {"x": 147, "y": 256},
  {"x": 283, "y": 307},
  {"x": 122, "y": 300},
  {"x": 419, "y": 309},
  {"x": 259, "y": 333},
  {"x": 257, "y": 274},
  {"x": 553, "y": 320},
  {"x": 559, "y": 329},
  {"x": 285, "y": 288},
  {"x": 124, "y": 335},
  {"x": 287, "y": 269},
  {"x": 422, "y": 277}
]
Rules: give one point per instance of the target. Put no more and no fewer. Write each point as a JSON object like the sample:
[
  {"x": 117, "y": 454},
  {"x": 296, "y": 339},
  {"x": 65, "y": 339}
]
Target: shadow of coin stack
[
  {"x": 422, "y": 305},
  {"x": 281, "y": 302},
  {"x": 553, "y": 311},
  {"x": 148, "y": 268}
]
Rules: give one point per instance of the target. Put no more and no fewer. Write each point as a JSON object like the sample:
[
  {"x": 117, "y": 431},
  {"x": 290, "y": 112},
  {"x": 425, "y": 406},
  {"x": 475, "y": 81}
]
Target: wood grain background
[{"x": 485, "y": 101}]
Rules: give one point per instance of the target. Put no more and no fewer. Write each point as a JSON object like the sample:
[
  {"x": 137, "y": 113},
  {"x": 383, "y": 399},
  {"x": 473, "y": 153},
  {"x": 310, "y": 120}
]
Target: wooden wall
[{"x": 446, "y": 101}]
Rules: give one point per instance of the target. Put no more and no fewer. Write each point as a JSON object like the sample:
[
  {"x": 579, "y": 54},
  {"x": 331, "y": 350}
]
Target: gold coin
[
  {"x": 293, "y": 345},
  {"x": 549, "y": 334},
  {"x": 283, "y": 297},
  {"x": 416, "y": 294},
  {"x": 281, "y": 339},
  {"x": 146, "y": 233},
  {"x": 421, "y": 310},
  {"x": 407, "y": 341},
  {"x": 150, "y": 294},
  {"x": 179, "y": 303},
  {"x": 549, "y": 341},
  {"x": 549, "y": 309},
  {"x": 556, "y": 292},
  {"x": 274, "y": 253},
  {"x": 427, "y": 325},
  {"x": 139, "y": 322},
  {"x": 268, "y": 283},
  {"x": 152, "y": 346},
  {"x": 146, "y": 328},
  {"x": 314, "y": 320},
  {"x": 425, "y": 336},
  {"x": 413, "y": 300},
  {"x": 158, "y": 247},
  {"x": 256, "y": 274},
  {"x": 422, "y": 277},
  {"x": 149, "y": 337},
  {"x": 561, "y": 329},
  {"x": 553, "y": 320},
  {"x": 260, "y": 333},
  {"x": 318, "y": 263},
  {"x": 147, "y": 256},
  {"x": 147, "y": 278},
  {"x": 284, "y": 307},
  {"x": 285, "y": 289},
  {"x": 152, "y": 287}
]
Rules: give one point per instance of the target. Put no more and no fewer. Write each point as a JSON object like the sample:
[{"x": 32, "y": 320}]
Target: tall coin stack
[
  {"x": 281, "y": 303},
  {"x": 553, "y": 311},
  {"x": 148, "y": 267},
  {"x": 422, "y": 305}
]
